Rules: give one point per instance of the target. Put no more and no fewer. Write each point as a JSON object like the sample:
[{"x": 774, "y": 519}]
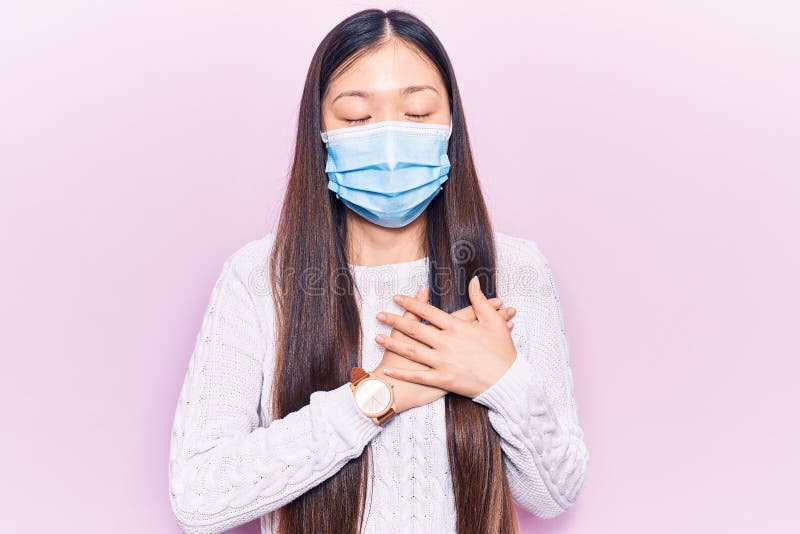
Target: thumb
[{"x": 480, "y": 304}]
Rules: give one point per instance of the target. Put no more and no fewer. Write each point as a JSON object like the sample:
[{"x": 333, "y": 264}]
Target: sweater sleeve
[
  {"x": 226, "y": 467},
  {"x": 532, "y": 406}
]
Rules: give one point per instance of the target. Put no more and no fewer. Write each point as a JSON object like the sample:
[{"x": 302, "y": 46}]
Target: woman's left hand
[{"x": 464, "y": 357}]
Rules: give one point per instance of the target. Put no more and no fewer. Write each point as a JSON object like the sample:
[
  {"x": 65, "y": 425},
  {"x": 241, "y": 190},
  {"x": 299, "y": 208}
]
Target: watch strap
[
  {"x": 357, "y": 374},
  {"x": 385, "y": 417}
]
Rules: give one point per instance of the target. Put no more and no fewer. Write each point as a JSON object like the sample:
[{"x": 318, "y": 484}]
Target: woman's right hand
[{"x": 408, "y": 394}]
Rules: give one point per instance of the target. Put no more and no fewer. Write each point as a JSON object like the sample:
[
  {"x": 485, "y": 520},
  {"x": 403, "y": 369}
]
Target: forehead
[{"x": 392, "y": 65}]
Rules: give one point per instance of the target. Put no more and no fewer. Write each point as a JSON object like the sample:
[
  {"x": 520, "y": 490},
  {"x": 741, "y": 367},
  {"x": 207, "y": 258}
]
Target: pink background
[{"x": 651, "y": 149}]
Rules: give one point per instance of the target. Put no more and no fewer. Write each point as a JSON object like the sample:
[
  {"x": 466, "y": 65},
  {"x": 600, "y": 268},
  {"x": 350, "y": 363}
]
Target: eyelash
[{"x": 357, "y": 121}]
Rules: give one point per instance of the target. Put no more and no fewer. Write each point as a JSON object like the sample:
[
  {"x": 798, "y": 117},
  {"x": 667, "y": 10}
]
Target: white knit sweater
[{"x": 230, "y": 463}]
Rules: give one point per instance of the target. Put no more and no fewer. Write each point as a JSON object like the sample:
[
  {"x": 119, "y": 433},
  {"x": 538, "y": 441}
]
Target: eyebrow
[{"x": 405, "y": 91}]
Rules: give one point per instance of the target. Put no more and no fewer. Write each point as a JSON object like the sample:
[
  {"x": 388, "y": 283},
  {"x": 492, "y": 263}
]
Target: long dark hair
[{"x": 310, "y": 242}]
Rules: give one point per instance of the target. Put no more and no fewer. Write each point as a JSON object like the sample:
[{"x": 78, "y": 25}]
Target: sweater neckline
[
  {"x": 399, "y": 266},
  {"x": 383, "y": 281}
]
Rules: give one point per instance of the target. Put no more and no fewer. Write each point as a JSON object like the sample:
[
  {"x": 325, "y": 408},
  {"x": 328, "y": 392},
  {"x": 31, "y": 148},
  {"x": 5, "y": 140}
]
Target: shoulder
[
  {"x": 515, "y": 252},
  {"x": 523, "y": 271},
  {"x": 249, "y": 262},
  {"x": 251, "y": 252}
]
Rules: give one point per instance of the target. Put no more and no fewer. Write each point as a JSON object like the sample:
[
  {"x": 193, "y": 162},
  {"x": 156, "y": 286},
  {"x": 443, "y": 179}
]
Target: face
[{"x": 395, "y": 82}]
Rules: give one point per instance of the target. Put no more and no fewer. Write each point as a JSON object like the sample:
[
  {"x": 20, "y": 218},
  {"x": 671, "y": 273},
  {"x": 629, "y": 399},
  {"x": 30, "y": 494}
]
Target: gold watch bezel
[{"x": 359, "y": 375}]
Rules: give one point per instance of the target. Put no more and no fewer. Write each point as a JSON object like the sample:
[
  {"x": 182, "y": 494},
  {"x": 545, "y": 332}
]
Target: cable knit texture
[{"x": 230, "y": 463}]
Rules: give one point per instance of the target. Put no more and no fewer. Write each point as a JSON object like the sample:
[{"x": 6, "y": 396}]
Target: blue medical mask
[{"x": 388, "y": 172}]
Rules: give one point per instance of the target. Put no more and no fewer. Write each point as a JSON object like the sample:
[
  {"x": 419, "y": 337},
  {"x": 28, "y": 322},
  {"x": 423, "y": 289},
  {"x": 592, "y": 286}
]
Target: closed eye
[{"x": 360, "y": 121}]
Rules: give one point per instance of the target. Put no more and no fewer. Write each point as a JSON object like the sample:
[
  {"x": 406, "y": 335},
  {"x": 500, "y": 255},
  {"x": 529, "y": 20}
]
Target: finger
[
  {"x": 467, "y": 313},
  {"x": 505, "y": 316},
  {"x": 483, "y": 310},
  {"x": 400, "y": 368},
  {"x": 504, "y": 313},
  {"x": 428, "y": 334},
  {"x": 397, "y": 334},
  {"x": 427, "y": 378},
  {"x": 401, "y": 336},
  {"x": 415, "y": 352},
  {"x": 507, "y": 313},
  {"x": 410, "y": 314},
  {"x": 424, "y": 297},
  {"x": 426, "y": 311}
]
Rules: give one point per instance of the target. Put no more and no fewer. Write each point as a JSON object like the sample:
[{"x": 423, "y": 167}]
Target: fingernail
[
  {"x": 388, "y": 371},
  {"x": 510, "y": 324},
  {"x": 381, "y": 316},
  {"x": 379, "y": 338},
  {"x": 398, "y": 298}
]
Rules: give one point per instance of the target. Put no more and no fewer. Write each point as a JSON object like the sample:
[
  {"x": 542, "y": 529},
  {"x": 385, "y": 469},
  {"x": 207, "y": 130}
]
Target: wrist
[
  {"x": 399, "y": 404},
  {"x": 493, "y": 375},
  {"x": 519, "y": 384}
]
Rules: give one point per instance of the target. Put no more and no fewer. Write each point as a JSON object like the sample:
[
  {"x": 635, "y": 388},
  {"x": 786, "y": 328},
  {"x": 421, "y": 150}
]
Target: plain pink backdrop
[{"x": 651, "y": 149}]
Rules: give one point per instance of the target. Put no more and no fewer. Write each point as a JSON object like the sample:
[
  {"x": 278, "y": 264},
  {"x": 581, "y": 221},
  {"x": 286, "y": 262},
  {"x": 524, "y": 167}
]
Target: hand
[
  {"x": 465, "y": 357},
  {"x": 409, "y": 394}
]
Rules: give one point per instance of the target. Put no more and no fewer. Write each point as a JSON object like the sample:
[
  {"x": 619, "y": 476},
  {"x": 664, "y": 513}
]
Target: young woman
[{"x": 317, "y": 401}]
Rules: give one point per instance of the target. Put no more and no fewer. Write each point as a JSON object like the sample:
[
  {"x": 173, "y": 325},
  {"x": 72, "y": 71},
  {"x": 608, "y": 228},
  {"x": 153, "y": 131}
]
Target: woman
[{"x": 466, "y": 411}]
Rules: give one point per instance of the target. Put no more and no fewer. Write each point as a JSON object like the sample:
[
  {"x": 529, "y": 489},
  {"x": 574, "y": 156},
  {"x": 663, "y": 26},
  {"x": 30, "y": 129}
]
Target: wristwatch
[{"x": 374, "y": 396}]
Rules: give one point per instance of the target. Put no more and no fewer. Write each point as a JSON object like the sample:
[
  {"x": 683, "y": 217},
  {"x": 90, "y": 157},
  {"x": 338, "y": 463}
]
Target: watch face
[{"x": 373, "y": 396}]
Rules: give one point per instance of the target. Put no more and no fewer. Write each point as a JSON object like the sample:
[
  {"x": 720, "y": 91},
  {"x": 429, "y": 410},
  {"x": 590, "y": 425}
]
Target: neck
[{"x": 371, "y": 244}]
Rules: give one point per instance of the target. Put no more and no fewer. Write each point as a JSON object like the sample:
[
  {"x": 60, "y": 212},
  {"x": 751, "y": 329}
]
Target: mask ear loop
[{"x": 450, "y": 132}]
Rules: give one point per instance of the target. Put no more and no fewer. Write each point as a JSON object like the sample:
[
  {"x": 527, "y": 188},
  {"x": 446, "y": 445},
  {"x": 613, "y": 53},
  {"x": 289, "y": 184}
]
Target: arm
[
  {"x": 532, "y": 406},
  {"x": 224, "y": 468}
]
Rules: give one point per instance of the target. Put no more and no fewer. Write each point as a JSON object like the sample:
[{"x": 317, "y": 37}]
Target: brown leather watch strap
[
  {"x": 385, "y": 417},
  {"x": 357, "y": 374}
]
